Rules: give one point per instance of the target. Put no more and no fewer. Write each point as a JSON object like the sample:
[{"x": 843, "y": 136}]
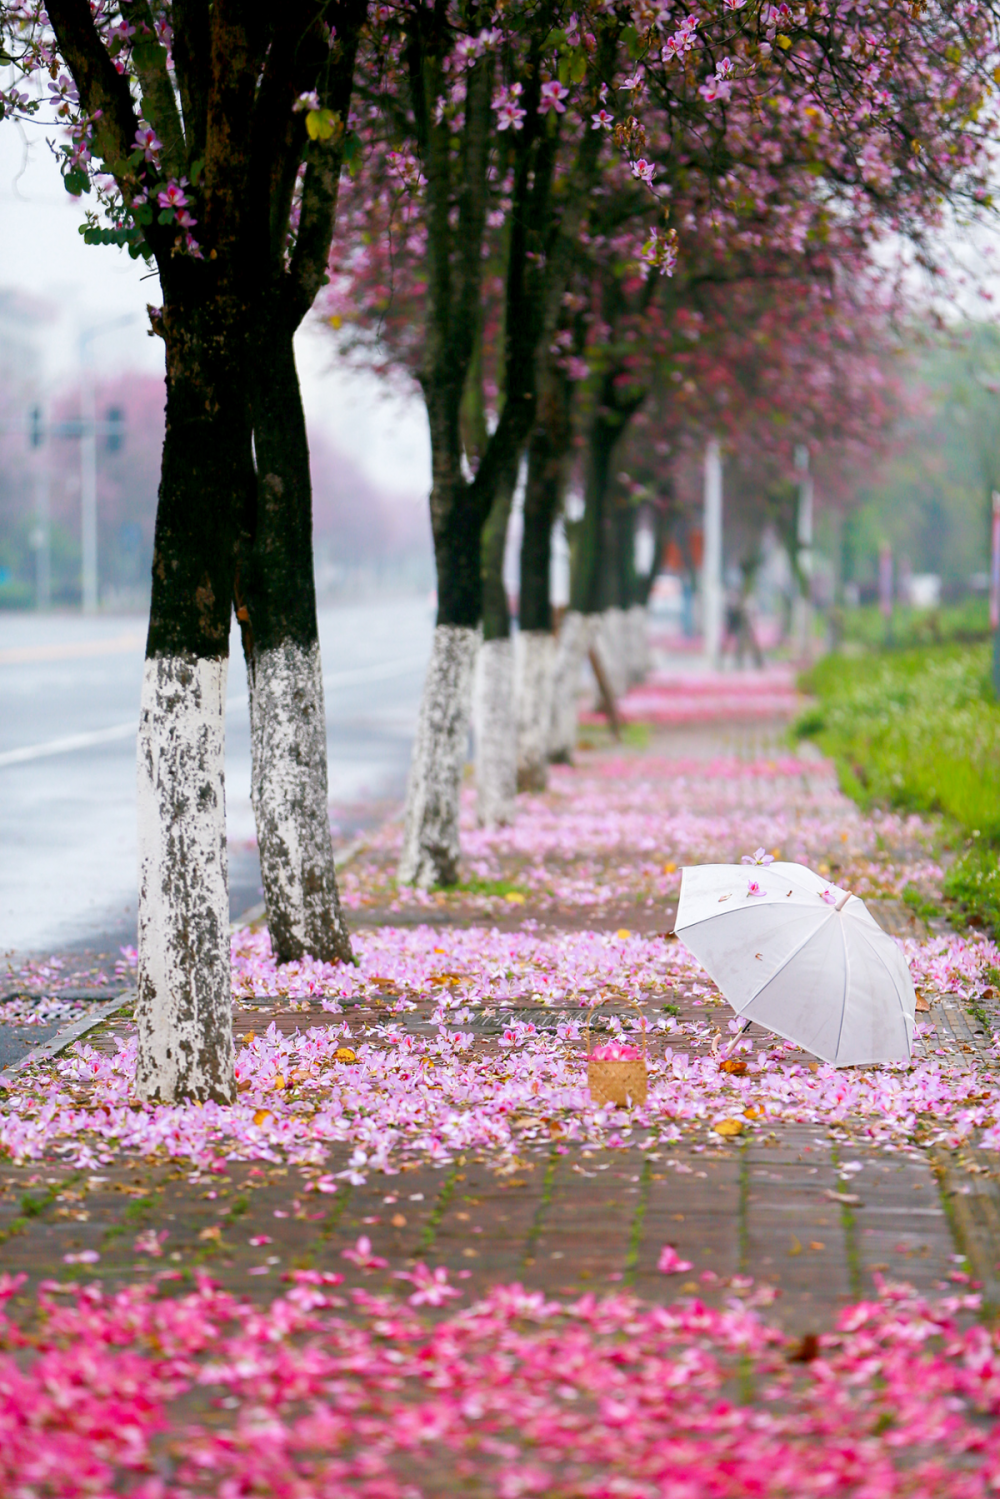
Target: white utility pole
[
  {"x": 88, "y": 480},
  {"x": 711, "y": 561},
  {"x": 802, "y": 632},
  {"x": 41, "y": 536}
]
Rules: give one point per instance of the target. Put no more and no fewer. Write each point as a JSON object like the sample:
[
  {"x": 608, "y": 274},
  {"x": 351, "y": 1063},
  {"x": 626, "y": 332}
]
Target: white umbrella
[{"x": 802, "y": 958}]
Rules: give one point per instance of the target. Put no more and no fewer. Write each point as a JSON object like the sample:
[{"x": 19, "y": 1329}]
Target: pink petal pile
[
  {"x": 157, "y": 1397},
  {"x": 441, "y": 1091}
]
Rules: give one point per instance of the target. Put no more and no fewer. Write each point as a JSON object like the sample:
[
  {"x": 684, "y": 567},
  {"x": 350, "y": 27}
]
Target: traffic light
[{"x": 115, "y": 427}]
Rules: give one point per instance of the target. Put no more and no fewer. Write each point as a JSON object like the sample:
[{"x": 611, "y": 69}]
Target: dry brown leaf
[
  {"x": 398, "y": 1220},
  {"x": 805, "y": 1351},
  {"x": 345, "y": 1054},
  {"x": 732, "y": 1064},
  {"x": 922, "y": 1005}
]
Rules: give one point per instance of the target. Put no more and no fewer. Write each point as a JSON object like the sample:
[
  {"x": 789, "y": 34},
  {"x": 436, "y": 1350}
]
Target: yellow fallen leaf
[
  {"x": 514, "y": 897},
  {"x": 261, "y": 1115},
  {"x": 728, "y": 1127},
  {"x": 816, "y": 1244},
  {"x": 796, "y": 1246},
  {"x": 623, "y": 931},
  {"x": 670, "y": 868},
  {"x": 753, "y": 1112},
  {"x": 734, "y": 1065},
  {"x": 398, "y": 1220},
  {"x": 345, "y": 1054},
  {"x": 279, "y": 1081},
  {"x": 215, "y": 1232}
]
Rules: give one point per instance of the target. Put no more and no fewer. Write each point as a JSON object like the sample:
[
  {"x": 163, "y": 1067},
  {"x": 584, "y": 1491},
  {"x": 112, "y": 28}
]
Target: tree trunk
[
  {"x": 534, "y": 664},
  {"x": 495, "y": 726},
  {"x": 184, "y": 995},
  {"x": 430, "y": 838},
  {"x": 535, "y": 652},
  {"x": 277, "y": 608},
  {"x": 495, "y": 733},
  {"x": 571, "y": 648}
]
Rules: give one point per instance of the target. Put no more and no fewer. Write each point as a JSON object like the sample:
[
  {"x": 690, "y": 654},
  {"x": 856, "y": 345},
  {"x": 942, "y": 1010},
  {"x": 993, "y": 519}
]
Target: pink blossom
[
  {"x": 615, "y": 1051},
  {"x": 754, "y": 889},
  {"x": 147, "y": 142},
  {"x": 551, "y": 97},
  {"x": 602, "y": 120},
  {"x": 432, "y": 1288},
  {"x": 172, "y": 196},
  {"x": 670, "y": 1262},
  {"x": 509, "y": 113},
  {"x": 362, "y": 1255},
  {"x": 760, "y": 857}
]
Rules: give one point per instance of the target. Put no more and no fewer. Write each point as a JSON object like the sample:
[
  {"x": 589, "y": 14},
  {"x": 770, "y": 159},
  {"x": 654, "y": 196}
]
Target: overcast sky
[{"x": 41, "y": 252}]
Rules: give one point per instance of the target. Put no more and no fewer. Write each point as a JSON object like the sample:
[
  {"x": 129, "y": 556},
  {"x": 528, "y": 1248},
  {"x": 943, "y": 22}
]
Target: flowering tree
[
  {"x": 187, "y": 124},
  {"x": 482, "y": 121}
]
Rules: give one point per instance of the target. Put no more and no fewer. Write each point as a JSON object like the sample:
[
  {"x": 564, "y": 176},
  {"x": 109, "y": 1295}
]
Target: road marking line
[
  {"x": 71, "y": 650},
  {"x": 115, "y": 732}
]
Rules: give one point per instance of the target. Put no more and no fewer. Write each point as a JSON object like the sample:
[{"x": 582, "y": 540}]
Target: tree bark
[
  {"x": 495, "y": 734},
  {"x": 276, "y": 604},
  {"x": 430, "y": 837},
  {"x": 184, "y": 1008},
  {"x": 535, "y": 652}
]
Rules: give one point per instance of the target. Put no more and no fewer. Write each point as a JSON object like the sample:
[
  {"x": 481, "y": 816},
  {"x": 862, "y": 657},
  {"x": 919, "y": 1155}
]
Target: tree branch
[
  {"x": 308, "y": 268},
  {"x": 159, "y": 104},
  {"x": 105, "y": 98}
]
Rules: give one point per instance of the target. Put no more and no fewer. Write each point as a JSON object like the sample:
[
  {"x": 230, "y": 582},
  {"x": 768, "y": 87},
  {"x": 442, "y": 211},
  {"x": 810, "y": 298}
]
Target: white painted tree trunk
[
  {"x": 638, "y": 643},
  {"x": 571, "y": 647},
  {"x": 534, "y": 664},
  {"x": 612, "y": 642},
  {"x": 430, "y": 838},
  {"x": 495, "y": 733},
  {"x": 288, "y": 790},
  {"x": 184, "y": 993}
]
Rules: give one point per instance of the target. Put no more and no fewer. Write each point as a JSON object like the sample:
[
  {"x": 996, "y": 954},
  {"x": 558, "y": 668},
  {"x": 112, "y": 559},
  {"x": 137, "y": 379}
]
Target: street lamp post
[{"x": 88, "y": 461}]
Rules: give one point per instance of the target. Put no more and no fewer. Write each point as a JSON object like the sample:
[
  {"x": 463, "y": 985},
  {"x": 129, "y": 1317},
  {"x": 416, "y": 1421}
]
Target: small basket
[{"x": 619, "y": 1082}]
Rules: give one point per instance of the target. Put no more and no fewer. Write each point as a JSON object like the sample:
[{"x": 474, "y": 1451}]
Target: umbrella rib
[
  {"x": 873, "y": 948},
  {"x": 827, "y": 916}
]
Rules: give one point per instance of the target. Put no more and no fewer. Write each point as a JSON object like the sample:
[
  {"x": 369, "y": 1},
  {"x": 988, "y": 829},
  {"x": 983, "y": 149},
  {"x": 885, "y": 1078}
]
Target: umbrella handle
[
  {"x": 596, "y": 1005},
  {"x": 842, "y": 902},
  {"x": 736, "y": 1038}
]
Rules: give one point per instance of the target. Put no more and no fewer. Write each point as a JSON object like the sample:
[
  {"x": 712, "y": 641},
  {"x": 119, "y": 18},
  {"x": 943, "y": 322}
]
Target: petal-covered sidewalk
[{"x": 414, "y": 1138}]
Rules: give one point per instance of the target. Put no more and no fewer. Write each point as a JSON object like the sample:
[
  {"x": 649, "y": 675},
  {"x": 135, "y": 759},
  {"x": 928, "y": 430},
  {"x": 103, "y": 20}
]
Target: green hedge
[{"x": 919, "y": 730}]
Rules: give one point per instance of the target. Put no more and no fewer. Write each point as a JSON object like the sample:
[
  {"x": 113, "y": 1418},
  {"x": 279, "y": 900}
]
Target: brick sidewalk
[{"x": 774, "y": 1208}]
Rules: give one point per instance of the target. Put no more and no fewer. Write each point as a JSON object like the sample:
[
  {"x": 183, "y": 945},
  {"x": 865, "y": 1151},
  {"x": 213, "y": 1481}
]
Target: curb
[
  {"x": 70, "y": 1033},
  {"x": 65, "y": 1037}
]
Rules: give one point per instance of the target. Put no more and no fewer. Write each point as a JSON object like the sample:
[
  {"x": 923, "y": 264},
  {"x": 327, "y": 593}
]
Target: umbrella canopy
[{"x": 802, "y": 958}]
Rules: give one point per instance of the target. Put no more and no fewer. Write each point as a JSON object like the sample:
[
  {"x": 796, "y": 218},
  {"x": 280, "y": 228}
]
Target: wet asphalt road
[{"x": 69, "y": 695}]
